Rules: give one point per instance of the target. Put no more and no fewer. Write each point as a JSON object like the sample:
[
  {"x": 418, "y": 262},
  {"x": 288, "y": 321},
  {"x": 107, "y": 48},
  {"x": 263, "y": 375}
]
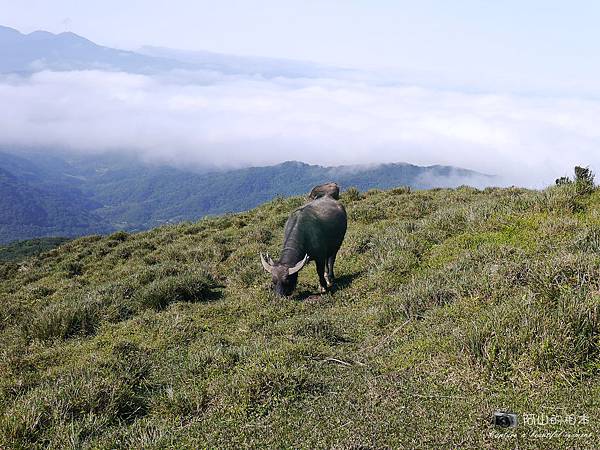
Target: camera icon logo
[{"x": 504, "y": 419}]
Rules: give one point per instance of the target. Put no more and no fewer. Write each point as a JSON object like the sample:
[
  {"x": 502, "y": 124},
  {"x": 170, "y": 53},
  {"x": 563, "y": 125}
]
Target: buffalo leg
[
  {"x": 321, "y": 272},
  {"x": 329, "y": 276}
]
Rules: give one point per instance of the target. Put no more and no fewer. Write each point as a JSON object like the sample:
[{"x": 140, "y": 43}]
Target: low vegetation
[
  {"x": 450, "y": 304},
  {"x": 20, "y": 250}
]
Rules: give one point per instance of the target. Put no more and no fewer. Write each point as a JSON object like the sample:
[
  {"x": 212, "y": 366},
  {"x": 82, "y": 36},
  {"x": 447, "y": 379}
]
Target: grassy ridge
[{"x": 450, "y": 304}]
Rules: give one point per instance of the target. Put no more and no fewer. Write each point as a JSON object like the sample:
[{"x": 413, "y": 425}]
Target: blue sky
[{"x": 552, "y": 42}]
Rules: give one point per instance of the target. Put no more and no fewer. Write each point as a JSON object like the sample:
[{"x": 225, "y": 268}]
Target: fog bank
[{"x": 209, "y": 119}]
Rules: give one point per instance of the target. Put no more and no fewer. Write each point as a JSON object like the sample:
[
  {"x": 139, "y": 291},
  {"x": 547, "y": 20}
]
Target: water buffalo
[
  {"x": 332, "y": 189},
  {"x": 313, "y": 231}
]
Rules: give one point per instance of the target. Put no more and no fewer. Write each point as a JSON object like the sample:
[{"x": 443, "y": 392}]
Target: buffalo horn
[
  {"x": 298, "y": 267},
  {"x": 268, "y": 267}
]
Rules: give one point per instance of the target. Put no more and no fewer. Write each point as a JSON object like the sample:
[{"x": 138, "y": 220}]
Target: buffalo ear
[
  {"x": 268, "y": 267},
  {"x": 298, "y": 267}
]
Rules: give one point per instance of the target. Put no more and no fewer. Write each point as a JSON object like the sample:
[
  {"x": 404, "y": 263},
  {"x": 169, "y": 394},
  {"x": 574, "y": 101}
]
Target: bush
[
  {"x": 7, "y": 270},
  {"x": 400, "y": 190},
  {"x": 561, "y": 199},
  {"x": 119, "y": 236},
  {"x": 352, "y": 194},
  {"x": 584, "y": 180},
  {"x": 64, "y": 319},
  {"x": 588, "y": 239},
  {"x": 181, "y": 288},
  {"x": 367, "y": 214}
]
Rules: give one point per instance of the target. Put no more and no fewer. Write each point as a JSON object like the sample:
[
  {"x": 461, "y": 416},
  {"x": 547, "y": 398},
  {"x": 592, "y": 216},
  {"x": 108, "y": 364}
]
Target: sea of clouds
[{"x": 207, "y": 119}]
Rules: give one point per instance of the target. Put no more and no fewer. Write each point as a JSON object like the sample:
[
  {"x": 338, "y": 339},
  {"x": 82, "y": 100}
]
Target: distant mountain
[
  {"x": 32, "y": 208},
  {"x": 245, "y": 65},
  {"x": 138, "y": 197},
  {"x": 66, "y": 195},
  {"x": 41, "y": 50},
  {"x": 68, "y": 51}
]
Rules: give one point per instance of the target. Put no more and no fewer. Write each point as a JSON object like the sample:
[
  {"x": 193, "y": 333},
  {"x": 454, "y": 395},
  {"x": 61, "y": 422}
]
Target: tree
[{"x": 584, "y": 180}]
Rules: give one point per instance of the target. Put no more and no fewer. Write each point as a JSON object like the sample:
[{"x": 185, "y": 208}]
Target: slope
[
  {"x": 450, "y": 304},
  {"x": 139, "y": 197},
  {"x": 31, "y": 209},
  {"x": 111, "y": 192}
]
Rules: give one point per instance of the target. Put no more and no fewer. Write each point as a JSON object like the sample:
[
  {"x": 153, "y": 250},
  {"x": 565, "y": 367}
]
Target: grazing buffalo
[
  {"x": 314, "y": 231},
  {"x": 331, "y": 189}
]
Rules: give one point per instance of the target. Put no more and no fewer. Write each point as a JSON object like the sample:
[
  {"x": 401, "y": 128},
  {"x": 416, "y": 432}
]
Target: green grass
[
  {"x": 20, "y": 250},
  {"x": 449, "y": 305}
]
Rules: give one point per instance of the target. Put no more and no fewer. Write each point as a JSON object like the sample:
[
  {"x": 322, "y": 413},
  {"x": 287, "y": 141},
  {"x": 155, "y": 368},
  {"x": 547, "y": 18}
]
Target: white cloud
[{"x": 209, "y": 119}]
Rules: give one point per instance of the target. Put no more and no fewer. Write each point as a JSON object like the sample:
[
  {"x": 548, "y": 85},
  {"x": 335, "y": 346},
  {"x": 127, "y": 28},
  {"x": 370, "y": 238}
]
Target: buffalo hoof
[
  {"x": 329, "y": 281},
  {"x": 323, "y": 290}
]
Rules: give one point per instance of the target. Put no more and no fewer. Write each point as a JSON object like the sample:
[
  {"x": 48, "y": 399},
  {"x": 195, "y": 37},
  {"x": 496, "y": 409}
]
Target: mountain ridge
[
  {"x": 43, "y": 50},
  {"x": 39, "y": 50},
  {"x": 115, "y": 193}
]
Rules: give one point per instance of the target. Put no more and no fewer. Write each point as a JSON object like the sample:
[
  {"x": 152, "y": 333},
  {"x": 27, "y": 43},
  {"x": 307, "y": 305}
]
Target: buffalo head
[{"x": 283, "y": 277}]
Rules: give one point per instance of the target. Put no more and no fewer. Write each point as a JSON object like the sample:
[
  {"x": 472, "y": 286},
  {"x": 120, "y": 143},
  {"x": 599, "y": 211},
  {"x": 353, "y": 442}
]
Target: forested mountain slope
[
  {"x": 48, "y": 194},
  {"x": 30, "y": 209}
]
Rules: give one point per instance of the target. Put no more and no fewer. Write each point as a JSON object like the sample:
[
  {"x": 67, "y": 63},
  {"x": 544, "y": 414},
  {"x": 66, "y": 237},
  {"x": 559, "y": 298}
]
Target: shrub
[
  {"x": 352, "y": 194},
  {"x": 367, "y": 213},
  {"x": 181, "y": 288},
  {"x": 63, "y": 319},
  {"x": 584, "y": 180},
  {"x": 73, "y": 268},
  {"x": 119, "y": 236},
  {"x": 7, "y": 270},
  {"x": 560, "y": 199},
  {"x": 400, "y": 190},
  {"x": 588, "y": 239}
]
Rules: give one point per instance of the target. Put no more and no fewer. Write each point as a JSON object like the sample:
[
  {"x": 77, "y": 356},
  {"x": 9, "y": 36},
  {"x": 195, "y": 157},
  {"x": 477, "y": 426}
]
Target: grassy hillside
[{"x": 450, "y": 304}]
